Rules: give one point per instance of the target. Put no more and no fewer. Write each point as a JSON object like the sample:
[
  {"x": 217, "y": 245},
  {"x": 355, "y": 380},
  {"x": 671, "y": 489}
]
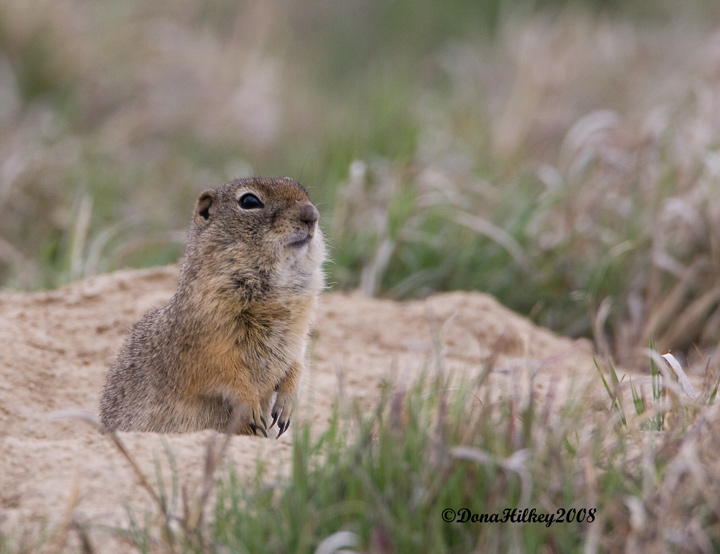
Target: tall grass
[
  {"x": 570, "y": 148},
  {"x": 446, "y": 466}
]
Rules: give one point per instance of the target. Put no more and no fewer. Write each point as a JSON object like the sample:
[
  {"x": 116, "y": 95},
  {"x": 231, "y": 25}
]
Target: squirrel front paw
[
  {"x": 281, "y": 411},
  {"x": 249, "y": 420}
]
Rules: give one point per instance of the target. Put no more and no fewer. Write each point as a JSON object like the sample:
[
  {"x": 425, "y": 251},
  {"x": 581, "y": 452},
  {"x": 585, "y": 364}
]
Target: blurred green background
[{"x": 559, "y": 155}]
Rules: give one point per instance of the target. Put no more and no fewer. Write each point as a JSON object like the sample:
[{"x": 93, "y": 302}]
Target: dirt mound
[{"x": 58, "y": 345}]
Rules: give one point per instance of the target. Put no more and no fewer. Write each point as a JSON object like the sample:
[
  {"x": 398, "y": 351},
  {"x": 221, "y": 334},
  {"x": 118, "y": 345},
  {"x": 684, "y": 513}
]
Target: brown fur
[{"x": 233, "y": 336}]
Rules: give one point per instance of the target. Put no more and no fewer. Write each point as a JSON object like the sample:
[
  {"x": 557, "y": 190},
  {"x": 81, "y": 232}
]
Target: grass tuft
[
  {"x": 381, "y": 481},
  {"x": 384, "y": 480}
]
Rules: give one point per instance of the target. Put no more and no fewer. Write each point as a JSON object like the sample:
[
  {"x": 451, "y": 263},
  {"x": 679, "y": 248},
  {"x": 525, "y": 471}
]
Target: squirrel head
[{"x": 255, "y": 237}]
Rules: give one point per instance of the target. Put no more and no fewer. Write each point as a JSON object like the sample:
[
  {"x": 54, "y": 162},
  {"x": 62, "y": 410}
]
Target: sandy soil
[{"x": 56, "y": 347}]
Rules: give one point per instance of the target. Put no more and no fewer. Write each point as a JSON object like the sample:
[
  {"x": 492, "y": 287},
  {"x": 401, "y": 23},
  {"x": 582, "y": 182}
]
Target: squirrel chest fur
[{"x": 228, "y": 349}]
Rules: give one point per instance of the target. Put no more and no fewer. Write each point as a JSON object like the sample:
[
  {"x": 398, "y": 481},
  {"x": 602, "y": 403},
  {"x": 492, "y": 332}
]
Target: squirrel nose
[{"x": 309, "y": 214}]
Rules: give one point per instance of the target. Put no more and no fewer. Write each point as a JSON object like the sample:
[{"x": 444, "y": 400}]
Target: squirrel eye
[{"x": 249, "y": 201}]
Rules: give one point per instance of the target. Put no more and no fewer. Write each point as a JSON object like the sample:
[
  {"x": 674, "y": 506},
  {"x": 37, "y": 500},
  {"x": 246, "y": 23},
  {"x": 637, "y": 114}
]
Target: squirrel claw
[
  {"x": 281, "y": 411},
  {"x": 255, "y": 428},
  {"x": 275, "y": 417},
  {"x": 283, "y": 426},
  {"x": 256, "y": 422}
]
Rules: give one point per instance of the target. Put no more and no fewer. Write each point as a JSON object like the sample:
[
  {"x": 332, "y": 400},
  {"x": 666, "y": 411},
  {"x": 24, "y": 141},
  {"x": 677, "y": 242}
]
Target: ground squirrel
[{"x": 233, "y": 336}]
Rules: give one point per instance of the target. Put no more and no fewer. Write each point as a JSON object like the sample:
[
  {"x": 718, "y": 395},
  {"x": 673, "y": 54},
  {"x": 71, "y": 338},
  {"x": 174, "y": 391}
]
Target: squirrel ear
[{"x": 202, "y": 207}]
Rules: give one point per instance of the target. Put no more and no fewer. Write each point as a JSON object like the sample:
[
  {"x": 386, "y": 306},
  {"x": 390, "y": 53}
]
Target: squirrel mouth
[{"x": 299, "y": 239}]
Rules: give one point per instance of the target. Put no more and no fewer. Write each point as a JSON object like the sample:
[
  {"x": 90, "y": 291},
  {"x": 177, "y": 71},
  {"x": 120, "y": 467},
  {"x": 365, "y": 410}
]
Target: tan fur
[{"x": 230, "y": 344}]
